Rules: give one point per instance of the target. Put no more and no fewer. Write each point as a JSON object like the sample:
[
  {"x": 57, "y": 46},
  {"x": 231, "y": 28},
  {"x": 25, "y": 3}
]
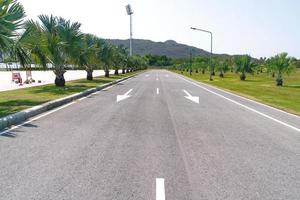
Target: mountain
[{"x": 168, "y": 48}]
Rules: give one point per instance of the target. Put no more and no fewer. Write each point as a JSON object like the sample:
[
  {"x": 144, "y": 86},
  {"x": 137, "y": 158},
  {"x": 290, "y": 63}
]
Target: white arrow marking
[
  {"x": 190, "y": 97},
  {"x": 157, "y": 90},
  {"x": 123, "y": 97},
  {"x": 160, "y": 189},
  {"x": 167, "y": 75},
  {"x": 147, "y": 75}
]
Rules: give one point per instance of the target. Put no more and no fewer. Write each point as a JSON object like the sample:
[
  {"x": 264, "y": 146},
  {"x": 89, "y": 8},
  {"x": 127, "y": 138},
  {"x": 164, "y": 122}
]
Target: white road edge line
[
  {"x": 157, "y": 90},
  {"x": 242, "y": 105},
  {"x": 253, "y": 101},
  {"x": 160, "y": 189},
  {"x": 36, "y": 118},
  {"x": 53, "y": 110},
  {"x": 247, "y": 99}
]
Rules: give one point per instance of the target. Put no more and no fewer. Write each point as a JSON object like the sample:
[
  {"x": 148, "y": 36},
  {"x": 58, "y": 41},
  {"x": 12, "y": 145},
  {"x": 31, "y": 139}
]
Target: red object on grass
[{"x": 16, "y": 77}]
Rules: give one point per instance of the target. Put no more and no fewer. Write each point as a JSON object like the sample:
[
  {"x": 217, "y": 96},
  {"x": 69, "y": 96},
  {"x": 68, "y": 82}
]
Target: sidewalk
[{"x": 46, "y": 77}]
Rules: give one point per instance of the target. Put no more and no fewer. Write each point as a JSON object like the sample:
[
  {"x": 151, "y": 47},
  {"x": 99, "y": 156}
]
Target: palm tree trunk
[
  {"x": 116, "y": 72},
  {"x": 273, "y": 74},
  {"x": 279, "y": 80},
  {"x": 243, "y": 76},
  {"x": 89, "y": 75},
  {"x": 221, "y": 74},
  {"x": 211, "y": 74},
  {"x": 106, "y": 73},
  {"x": 59, "y": 76}
]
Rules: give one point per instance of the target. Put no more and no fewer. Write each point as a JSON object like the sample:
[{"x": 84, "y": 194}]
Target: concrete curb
[{"x": 23, "y": 115}]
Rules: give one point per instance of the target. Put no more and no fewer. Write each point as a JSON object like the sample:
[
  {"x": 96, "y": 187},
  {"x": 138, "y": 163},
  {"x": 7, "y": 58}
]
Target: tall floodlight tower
[{"x": 130, "y": 12}]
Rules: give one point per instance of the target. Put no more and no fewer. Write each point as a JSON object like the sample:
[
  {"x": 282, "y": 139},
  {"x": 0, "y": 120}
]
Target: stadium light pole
[
  {"x": 211, "y": 46},
  {"x": 130, "y": 12}
]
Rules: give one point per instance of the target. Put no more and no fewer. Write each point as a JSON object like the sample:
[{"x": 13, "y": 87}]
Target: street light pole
[
  {"x": 211, "y": 46},
  {"x": 191, "y": 62},
  {"x": 130, "y": 12}
]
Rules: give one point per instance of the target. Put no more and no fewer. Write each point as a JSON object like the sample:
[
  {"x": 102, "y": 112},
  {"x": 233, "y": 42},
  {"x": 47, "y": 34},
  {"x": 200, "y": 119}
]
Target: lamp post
[
  {"x": 211, "y": 45},
  {"x": 130, "y": 12},
  {"x": 191, "y": 62}
]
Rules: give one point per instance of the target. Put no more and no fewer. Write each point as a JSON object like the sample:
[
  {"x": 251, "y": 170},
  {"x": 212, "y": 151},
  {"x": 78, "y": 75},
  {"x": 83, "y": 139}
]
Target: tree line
[
  {"x": 59, "y": 42},
  {"x": 277, "y": 66}
]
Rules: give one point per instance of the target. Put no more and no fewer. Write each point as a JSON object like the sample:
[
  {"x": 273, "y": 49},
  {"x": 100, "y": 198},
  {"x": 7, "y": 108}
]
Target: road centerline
[{"x": 160, "y": 189}]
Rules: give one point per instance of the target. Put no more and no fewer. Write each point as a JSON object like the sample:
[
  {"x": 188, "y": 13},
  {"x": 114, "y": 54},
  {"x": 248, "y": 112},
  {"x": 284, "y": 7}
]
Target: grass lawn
[
  {"x": 260, "y": 87},
  {"x": 17, "y": 100}
]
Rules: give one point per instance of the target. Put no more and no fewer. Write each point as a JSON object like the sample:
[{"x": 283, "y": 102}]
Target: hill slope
[{"x": 168, "y": 48}]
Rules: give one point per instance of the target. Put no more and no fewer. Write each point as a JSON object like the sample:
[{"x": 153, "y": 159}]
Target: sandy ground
[{"x": 45, "y": 77}]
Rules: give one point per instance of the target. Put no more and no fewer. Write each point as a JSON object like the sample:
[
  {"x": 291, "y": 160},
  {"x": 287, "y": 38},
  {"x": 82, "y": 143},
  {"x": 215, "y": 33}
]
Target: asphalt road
[{"x": 217, "y": 146}]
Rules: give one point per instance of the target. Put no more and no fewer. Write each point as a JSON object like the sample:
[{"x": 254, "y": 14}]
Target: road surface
[{"x": 155, "y": 136}]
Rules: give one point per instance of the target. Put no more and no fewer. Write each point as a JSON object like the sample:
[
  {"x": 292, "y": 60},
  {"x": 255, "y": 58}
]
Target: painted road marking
[
  {"x": 190, "y": 97},
  {"x": 242, "y": 105},
  {"x": 160, "y": 189},
  {"x": 157, "y": 90},
  {"x": 124, "y": 96}
]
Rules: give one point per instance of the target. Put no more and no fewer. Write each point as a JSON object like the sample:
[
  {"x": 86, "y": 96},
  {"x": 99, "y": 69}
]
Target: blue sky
[{"x": 259, "y": 28}]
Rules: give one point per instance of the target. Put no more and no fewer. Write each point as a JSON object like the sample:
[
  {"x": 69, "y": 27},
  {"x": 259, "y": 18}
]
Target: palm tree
[
  {"x": 21, "y": 51},
  {"x": 124, "y": 57},
  {"x": 105, "y": 54},
  {"x": 33, "y": 42},
  {"x": 129, "y": 64},
  {"x": 11, "y": 19},
  {"x": 261, "y": 65},
  {"x": 222, "y": 67},
  {"x": 202, "y": 63},
  {"x": 281, "y": 64},
  {"x": 87, "y": 49},
  {"x": 213, "y": 62},
  {"x": 58, "y": 42},
  {"x": 119, "y": 57},
  {"x": 244, "y": 64}
]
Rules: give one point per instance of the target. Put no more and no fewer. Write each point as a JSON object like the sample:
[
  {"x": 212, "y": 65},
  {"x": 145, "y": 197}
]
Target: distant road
[{"x": 155, "y": 136}]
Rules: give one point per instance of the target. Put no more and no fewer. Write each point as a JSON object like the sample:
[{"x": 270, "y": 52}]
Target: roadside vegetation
[
  {"x": 59, "y": 43},
  {"x": 17, "y": 100},
  {"x": 274, "y": 81}
]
